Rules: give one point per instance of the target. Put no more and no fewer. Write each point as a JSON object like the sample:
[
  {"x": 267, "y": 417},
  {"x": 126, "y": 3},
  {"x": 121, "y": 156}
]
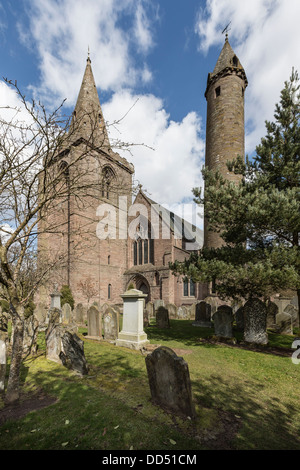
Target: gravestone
[
  {"x": 255, "y": 322},
  {"x": 158, "y": 303},
  {"x": 103, "y": 308},
  {"x": 193, "y": 311},
  {"x": 239, "y": 319},
  {"x": 40, "y": 313},
  {"x": 169, "y": 382},
  {"x": 146, "y": 318},
  {"x": 94, "y": 322},
  {"x": 150, "y": 310},
  {"x": 284, "y": 324},
  {"x": 63, "y": 345},
  {"x": 172, "y": 309},
  {"x": 214, "y": 303},
  {"x": 203, "y": 315},
  {"x": 162, "y": 318},
  {"x": 52, "y": 336},
  {"x": 223, "y": 320},
  {"x": 66, "y": 313},
  {"x": 182, "y": 313},
  {"x": 72, "y": 353},
  {"x": 55, "y": 300},
  {"x": 272, "y": 311},
  {"x": 79, "y": 313},
  {"x": 282, "y": 302},
  {"x": 110, "y": 324},
  {"x": 292, "y": 310}
]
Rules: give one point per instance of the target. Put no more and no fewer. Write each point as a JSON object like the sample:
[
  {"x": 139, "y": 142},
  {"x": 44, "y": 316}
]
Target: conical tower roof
[
  {"x": 227, "y": 63},
  {"x": 88, "y": 121}
]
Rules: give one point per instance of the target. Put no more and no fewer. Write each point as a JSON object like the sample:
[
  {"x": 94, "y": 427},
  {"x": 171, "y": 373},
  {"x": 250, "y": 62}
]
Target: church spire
[{"x": 88, "y": 121}]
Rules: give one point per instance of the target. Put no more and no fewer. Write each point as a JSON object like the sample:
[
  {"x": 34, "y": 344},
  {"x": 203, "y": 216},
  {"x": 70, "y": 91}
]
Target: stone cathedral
[{"x": 99, "y": 268}]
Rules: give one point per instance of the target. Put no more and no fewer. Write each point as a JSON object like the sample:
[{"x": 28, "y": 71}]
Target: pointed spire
[
  {"x": 88, "y": 121},
  {"x": 227, "y": 63},
  {"x": 227, "y": 58}
]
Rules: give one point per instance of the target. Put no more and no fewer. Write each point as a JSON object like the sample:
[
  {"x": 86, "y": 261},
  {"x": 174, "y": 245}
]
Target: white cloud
[
  {"x": 119, "y": 35},
  {"x": 61, "y": 32},
  {"x": 265, "y": 35},
  {"x": 169, "y": 171}
]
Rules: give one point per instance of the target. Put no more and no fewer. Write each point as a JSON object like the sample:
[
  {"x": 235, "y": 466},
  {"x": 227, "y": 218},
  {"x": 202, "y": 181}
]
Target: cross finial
[{"x": 88, "y": 58}]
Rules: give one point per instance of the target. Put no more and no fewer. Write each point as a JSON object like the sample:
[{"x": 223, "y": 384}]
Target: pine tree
[{"x": 259, "y": 218}]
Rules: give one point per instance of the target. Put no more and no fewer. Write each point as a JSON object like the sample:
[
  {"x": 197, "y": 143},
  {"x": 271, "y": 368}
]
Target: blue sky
[{"x": 157, "y": 54}]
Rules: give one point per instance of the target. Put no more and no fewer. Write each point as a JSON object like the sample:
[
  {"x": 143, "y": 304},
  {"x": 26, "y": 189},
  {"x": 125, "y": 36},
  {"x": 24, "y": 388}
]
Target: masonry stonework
[{"x": 225, "y": 128}]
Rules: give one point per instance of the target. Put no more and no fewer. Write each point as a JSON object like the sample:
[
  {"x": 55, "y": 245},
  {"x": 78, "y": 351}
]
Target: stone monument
[{"x": 132, "y": 334}]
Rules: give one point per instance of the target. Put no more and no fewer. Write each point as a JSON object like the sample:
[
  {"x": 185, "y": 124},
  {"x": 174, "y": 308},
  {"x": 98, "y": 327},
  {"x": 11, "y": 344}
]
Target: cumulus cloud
[
  {"x": 265, "y": 35},
  {"x": 61, "y": 33},
  {"x": 119, "y": 35},
  {"x": 170, "y": 168}
]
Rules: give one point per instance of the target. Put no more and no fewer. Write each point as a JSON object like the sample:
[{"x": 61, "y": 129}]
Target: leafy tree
[{"x": 258, "y": 219}]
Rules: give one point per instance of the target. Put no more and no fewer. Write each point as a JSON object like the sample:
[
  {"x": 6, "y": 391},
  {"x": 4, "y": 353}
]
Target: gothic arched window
[{"x": 107, "y": 177}]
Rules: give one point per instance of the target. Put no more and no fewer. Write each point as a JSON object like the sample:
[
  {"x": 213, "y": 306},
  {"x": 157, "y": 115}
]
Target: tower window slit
[{"x": 218, "y": 91}]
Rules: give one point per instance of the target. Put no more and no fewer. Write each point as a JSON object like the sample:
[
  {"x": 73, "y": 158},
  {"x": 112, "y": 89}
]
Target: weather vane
[{"x": 226, "y": 29}]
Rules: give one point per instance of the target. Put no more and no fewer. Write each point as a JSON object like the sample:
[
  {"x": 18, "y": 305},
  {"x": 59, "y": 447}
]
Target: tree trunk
[{"x": 13, "y": 385}]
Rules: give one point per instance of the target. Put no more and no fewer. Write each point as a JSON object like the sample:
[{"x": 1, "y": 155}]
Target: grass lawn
[{"x": 244, "y": 399}]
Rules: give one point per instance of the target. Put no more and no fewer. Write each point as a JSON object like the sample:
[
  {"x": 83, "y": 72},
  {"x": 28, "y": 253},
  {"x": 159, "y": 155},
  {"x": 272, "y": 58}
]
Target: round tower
[{"x": 225, "y": 128}]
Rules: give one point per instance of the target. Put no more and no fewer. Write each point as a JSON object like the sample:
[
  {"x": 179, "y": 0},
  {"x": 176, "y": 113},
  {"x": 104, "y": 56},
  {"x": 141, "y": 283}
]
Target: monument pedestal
[{"x": 132, "y": 335}]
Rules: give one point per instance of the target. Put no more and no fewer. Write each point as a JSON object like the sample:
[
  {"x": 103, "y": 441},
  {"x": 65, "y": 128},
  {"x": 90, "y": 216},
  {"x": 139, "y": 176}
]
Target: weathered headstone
[
  {"x": 240, "y": 319},
  {"x": 55, "y": 300},
  {"x": 150, "y": 309},
  {"x": 146, "y": 317},
  {"x": 94, "y": 322},
  {"x": 272, "y": 311},
  {"x": 66, "y": 312},
  {"x": 110, "y": 324},
  {"x": 203, "y": 315},
  {"x": 292, "y": 310},
  {"x": 63, "y": 345},
  {"x": 214, "y": 303},
  {"x": 162, "y": 318},
  {"x": 223, "y": 320},
  {"x": 169, "y": 382},
  {"x": 255, "y": 322},
  {"x": 103, "y": 307},
  {"x": 158, "y": 303},
  {"x": 52, "y": 336},
  {"x": 79, "y": 313},
  {"x": 193, "y": 311},
  {"x": 284, "y": 324},
  {"x": 182, "y": 313},
  {"x": 72, "y": 353},
  {"x": 172, "y": 309},
  {"x": 281, "y": 302},
  {"x": 40, "y": 313}
]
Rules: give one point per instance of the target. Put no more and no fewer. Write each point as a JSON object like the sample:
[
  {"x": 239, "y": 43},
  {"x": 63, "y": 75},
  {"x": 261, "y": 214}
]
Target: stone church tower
[
  {"x": 225, "y": 128},
  {"x": 88, "y": 263}
]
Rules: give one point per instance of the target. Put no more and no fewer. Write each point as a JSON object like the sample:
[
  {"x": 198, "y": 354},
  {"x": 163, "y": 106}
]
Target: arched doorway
[{"x": 142, "y": 284}]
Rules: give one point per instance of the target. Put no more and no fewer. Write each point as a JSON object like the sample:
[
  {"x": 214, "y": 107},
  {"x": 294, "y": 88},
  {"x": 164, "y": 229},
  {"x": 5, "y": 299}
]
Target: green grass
[{"x": 111, "y": 407}]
